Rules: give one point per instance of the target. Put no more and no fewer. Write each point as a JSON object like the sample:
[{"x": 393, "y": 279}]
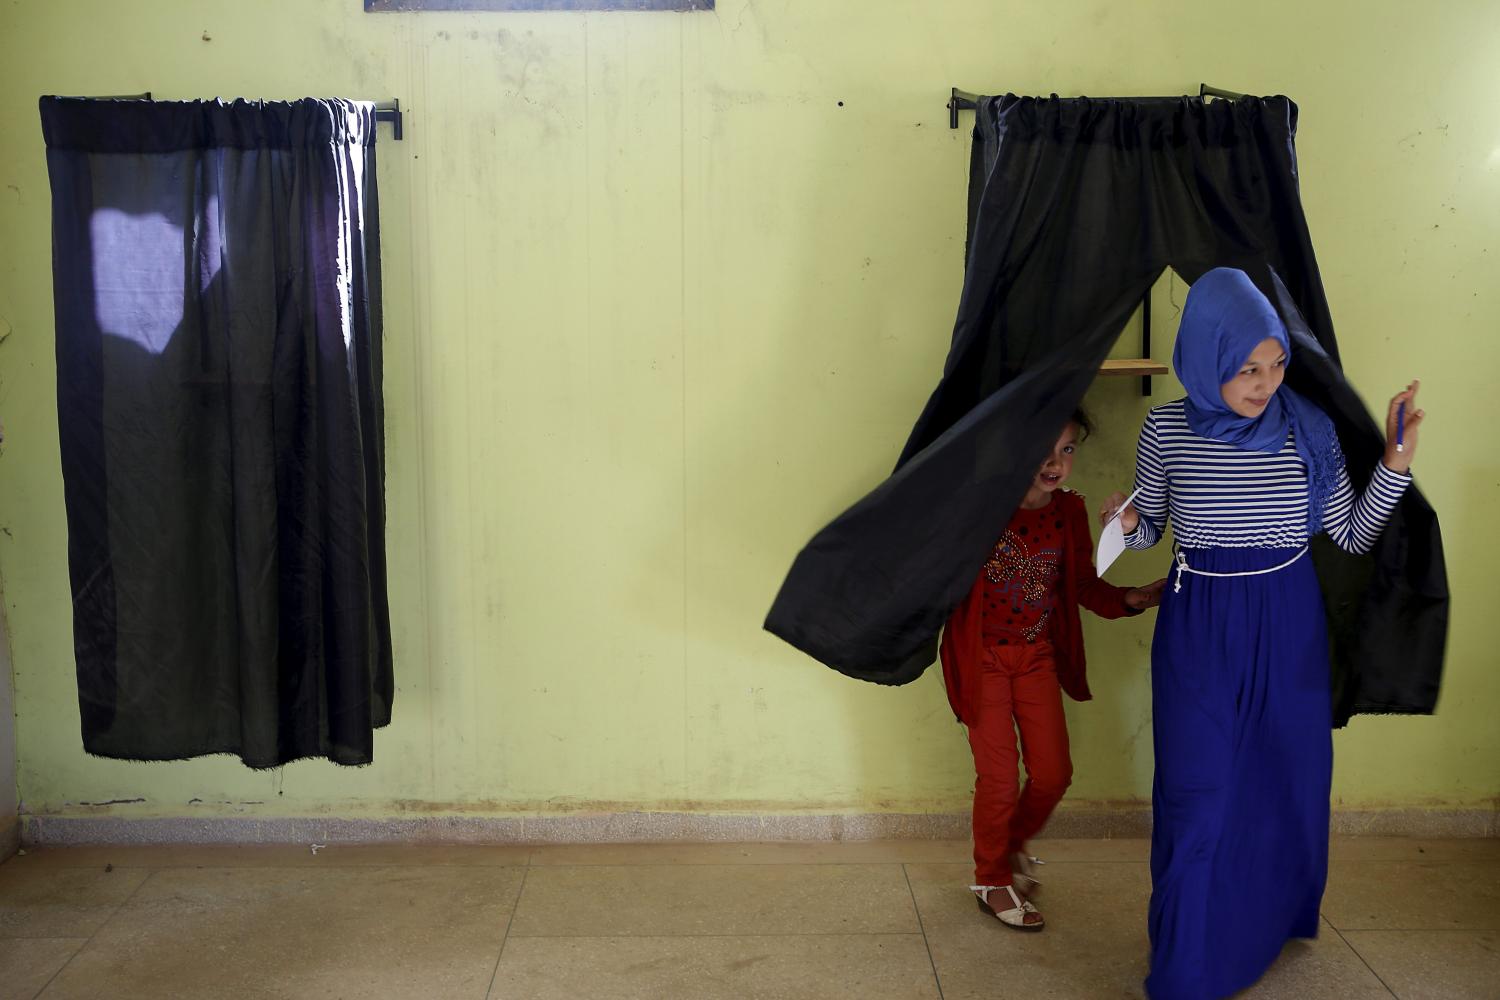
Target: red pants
[{"x": 1017, "y": 689}]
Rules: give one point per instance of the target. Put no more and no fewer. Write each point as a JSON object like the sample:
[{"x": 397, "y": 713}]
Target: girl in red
[{"x": 1009, "y": 651}]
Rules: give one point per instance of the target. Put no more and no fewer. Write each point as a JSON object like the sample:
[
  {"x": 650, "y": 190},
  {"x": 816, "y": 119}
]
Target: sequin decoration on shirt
[{"x": 1021, "y": 577}]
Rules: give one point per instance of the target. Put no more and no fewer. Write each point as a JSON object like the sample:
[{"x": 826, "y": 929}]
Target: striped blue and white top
[{"x": 1222, "y": 496}]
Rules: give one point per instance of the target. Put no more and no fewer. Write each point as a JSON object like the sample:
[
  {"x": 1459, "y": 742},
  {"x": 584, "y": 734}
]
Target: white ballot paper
[{"x": 1111, "y": 540}]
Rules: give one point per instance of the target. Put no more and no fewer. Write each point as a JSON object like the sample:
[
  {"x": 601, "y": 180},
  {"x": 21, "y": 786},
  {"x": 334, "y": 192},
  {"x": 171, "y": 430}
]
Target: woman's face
[{"x": 1259, "y": 377}]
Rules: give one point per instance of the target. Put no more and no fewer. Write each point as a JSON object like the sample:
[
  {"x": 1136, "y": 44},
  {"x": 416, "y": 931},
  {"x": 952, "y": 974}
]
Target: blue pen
[{"x": 1400, "y": 428}]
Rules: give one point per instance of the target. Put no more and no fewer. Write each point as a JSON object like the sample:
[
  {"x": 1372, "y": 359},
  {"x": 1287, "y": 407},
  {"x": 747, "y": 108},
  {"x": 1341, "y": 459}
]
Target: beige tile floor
[{"x": 1416, "y": 919}]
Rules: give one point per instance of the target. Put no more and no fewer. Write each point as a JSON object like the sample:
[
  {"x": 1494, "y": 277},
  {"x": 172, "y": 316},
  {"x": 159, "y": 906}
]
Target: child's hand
[
  {"x": 1149, "y": 596},
  {"x": 1128, "y": 520},
  {"x": 1400, "y": 461}
]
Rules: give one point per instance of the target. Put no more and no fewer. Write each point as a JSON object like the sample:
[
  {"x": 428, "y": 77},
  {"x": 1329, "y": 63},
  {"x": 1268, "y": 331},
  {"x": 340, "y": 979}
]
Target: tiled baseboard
[{"x": 1132, "y": 820}]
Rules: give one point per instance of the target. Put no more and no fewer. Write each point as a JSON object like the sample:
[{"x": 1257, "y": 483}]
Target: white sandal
[
  {"x": 1022, "y": 878},
  {"x": 1014, "y": 917}
]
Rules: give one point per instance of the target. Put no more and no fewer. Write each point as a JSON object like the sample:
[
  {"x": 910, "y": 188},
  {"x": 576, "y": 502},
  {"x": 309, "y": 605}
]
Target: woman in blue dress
[{"x": 1247, "y": 471}]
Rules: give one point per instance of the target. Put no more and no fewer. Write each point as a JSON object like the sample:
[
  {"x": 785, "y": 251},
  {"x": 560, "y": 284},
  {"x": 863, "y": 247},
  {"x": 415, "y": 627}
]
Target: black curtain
[
  {"x": 1076, "y": 206},
  {"x": 216, "y": 273}
]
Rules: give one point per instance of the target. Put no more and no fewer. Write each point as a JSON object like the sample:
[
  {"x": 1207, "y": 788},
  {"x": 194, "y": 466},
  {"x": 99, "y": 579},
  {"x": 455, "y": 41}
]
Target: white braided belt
[{"x": 1183, "y": 567}]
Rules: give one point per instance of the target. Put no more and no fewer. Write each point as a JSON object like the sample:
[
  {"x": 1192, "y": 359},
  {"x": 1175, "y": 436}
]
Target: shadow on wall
[{"x": 10, "y": 828}]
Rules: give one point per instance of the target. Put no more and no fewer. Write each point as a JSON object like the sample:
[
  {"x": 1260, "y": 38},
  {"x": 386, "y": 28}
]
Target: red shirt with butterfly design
[
  {"x": 1020, "y": 578},
  {"x": 1077, "y": 585}
]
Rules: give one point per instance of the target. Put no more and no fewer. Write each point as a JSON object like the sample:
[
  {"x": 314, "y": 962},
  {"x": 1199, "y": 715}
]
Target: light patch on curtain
[
  {"x": 138, "y": 265},
  {"x": 350, "y": 185}
]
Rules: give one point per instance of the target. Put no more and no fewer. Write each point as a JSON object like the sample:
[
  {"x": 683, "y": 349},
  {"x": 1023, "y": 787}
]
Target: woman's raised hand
[{"x": 1400, "y": 461}]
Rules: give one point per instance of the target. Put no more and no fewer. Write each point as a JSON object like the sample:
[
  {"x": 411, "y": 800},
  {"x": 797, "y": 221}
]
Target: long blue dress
[
  {"x": 1241, "y": 703},
  {"x": 1244, "y": 765}
]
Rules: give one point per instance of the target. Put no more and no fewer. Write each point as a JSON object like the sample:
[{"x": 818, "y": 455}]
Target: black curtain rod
[
  {"x": 962, "y": 100},
  {"x": 385, "y": 111}
]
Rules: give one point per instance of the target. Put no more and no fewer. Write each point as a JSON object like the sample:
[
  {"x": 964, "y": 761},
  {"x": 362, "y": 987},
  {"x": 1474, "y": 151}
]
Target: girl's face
[
  {"x": 1059, "y": 465},
  {"x": 1259, "y": 377}
]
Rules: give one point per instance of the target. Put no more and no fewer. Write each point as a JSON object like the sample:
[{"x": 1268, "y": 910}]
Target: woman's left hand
[
  {"x": 1149, "y": 596},
  {"x": 1400, "y": 461}
]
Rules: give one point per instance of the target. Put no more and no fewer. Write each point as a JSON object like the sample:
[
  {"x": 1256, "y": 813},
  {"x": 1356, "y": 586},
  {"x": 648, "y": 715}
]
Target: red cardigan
[{"x": 1077, "y": 583}]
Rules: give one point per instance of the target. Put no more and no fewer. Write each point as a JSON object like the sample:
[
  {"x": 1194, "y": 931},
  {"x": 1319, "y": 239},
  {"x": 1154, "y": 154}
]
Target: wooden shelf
[{"x": 1133, "y": 366}]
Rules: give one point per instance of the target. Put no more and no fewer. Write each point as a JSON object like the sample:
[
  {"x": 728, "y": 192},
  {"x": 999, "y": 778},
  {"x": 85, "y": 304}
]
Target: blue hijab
[{"x": 1225, "y": 318}]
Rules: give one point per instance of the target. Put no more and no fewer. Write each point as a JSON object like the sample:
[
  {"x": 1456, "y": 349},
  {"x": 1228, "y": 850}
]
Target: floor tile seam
[
  {"x": 1416, "y": 930},
  {"x": 1427, "y": 862},
  {"x": 550, "y": 864},
  {"x": 773, "y": 864},
  {"x": 1363, "y": 961},
  {"x": 510, "y": 924},
  {"x": 937, "y": 980},
  {"x": 95, "y": 933},
  {"x": 1485, "y": 865},
  {"x": 750, "y": 934},
  {"x": 734, "y": 864},
  {"x": 1466, "y": 929},
  {"x": 561, "y": 864},
  {"x": 277, "y": 868},
  {"x": 51, "y": 979}
]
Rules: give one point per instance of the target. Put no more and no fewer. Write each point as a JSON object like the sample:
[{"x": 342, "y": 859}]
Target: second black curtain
[{"x": 217, "y": 288}]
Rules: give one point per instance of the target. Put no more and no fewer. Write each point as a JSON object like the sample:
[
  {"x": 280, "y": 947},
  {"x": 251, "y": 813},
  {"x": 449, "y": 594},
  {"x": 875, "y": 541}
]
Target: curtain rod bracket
[
  {"x": 961, "y": 100},
  {"x": 1205, "y": 91},
  {"x": 390, "y": 112}
]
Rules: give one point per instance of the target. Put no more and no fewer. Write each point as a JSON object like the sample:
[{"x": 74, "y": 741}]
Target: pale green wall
[{"x": 658, "y": 307}]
